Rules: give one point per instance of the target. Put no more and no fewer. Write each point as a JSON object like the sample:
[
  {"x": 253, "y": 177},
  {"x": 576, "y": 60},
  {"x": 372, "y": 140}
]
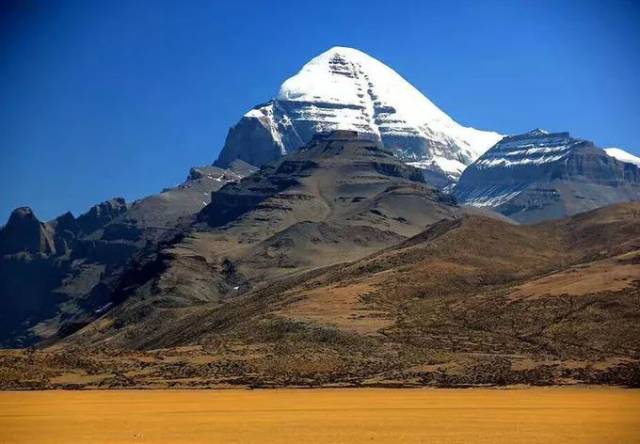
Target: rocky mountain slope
[
  {"x": 76, "y": 259},
  {"x": 341, "y": 197},
  {"x": 538, "y": 176},
  {"x": 468, "y": 301},
  {"x": 346, "y": 89}
]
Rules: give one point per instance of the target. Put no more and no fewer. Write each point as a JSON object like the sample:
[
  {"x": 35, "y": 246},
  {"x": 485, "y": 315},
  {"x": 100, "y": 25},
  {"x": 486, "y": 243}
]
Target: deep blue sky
[{"x": 101, "y": 99}]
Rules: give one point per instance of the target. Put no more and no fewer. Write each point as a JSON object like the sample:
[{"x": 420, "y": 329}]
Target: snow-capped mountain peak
[
  {"x": 344, "y": 88},
  {"x": 623, "y": 155},
  {"x": 349, "y": 77}
]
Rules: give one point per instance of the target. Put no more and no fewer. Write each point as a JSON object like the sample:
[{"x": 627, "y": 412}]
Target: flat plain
[{"x": 528, "y": 415}]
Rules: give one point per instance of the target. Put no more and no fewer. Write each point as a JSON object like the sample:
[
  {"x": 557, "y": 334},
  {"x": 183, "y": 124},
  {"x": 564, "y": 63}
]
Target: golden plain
[{"x": 535, "y": 415}]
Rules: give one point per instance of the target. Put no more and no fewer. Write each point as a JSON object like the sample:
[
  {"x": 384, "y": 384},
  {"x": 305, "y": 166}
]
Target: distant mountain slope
[
  {"x": 75, "y": 259},
  {"x": 538, "y": 176},
  {"x": 344, "y": 88}
]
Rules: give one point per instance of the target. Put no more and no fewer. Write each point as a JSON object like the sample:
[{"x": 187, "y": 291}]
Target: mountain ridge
[{"x": 539, "y": 175}]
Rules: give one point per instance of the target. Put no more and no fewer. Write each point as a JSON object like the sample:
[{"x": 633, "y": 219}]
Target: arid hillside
[{"x": 468, "y": 301}]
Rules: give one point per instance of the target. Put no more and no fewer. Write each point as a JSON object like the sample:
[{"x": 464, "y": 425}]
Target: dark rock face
[
  {"x": 24, "y": 232},
  {"x": 44, "y": 266},
  {"x": 101, "y": 214},
  {"x": 538, "y": 176},
  {"x": 27, "y": 284},
  {"x": 252, "y": 140},
  {"x": 235, "y": 199},
  {"x": 66, "y": 231},
  {"x": 76, "y": 260},
  {"x": 28, "y": 271}
]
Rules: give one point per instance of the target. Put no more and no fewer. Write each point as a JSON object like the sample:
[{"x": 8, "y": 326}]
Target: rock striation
[{"x": 539, "y": 175}]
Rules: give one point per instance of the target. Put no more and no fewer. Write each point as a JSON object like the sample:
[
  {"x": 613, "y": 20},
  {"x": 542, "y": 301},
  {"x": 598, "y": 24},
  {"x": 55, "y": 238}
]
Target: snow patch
[
  {"x": 451, "y": 167},
  {"x": 623, "y": 155},
  {"x": 492, "y": 197}
]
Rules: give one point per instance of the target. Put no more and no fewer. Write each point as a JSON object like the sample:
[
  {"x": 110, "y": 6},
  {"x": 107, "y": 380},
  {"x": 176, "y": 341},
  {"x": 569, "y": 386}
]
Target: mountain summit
[{"x": 346, "y": 89}]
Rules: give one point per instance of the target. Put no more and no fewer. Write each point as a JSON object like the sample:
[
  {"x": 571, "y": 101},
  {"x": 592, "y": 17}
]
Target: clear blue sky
[{"x": 102, "y": 99}]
